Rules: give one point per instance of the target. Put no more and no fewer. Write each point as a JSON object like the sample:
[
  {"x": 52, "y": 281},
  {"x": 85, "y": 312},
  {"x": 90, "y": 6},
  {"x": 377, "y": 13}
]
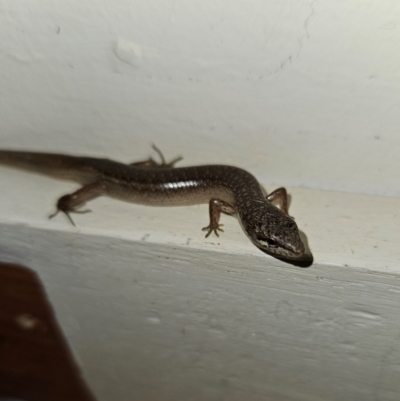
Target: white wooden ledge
[{"x": 153, "y": 310}]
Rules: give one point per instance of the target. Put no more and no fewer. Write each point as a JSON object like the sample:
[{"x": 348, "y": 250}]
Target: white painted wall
[{"x": 302, "y": 94}]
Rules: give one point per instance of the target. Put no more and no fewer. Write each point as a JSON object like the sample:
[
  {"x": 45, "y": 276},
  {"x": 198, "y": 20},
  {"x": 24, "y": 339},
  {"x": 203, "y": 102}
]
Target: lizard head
[{"x": 277, "y": 234}]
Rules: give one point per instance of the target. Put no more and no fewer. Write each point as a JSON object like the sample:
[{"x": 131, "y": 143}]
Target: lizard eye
[{"x": 271, "y": 242}]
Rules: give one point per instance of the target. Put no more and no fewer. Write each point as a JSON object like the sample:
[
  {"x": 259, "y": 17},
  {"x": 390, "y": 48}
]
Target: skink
[{"x": 227, "y": 189}]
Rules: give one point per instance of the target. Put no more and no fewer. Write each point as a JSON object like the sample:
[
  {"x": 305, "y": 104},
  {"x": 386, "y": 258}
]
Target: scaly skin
[{"x": 227, "y": 189}]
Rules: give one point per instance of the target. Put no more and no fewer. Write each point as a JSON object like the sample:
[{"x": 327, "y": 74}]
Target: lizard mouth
[
  {"x": 271, "y": 246},
  {"x": 298, "y": 256},
  {"x": 303, "y": 260}
]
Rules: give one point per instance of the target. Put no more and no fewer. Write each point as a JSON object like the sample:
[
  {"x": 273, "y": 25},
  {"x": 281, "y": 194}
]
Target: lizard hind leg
[
  {"x": 71, "y": 203},
  {"x": 151, "y": 163}
]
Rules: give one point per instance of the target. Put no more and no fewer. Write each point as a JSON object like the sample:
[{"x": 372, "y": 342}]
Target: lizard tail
[{"x": 50, "y": 164}]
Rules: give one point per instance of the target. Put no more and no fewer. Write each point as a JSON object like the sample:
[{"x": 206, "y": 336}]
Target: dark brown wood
[{"x": 35, "y": 362}]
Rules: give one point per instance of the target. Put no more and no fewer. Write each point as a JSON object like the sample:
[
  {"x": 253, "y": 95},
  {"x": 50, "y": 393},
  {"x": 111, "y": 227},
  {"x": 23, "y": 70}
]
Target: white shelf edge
[{"x": 343, "y": 229}]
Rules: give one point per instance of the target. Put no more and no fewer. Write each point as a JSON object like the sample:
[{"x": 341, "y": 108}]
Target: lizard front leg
[
  {"x": 216, "y": 207},
  {"x": 280, "y": 195}
]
